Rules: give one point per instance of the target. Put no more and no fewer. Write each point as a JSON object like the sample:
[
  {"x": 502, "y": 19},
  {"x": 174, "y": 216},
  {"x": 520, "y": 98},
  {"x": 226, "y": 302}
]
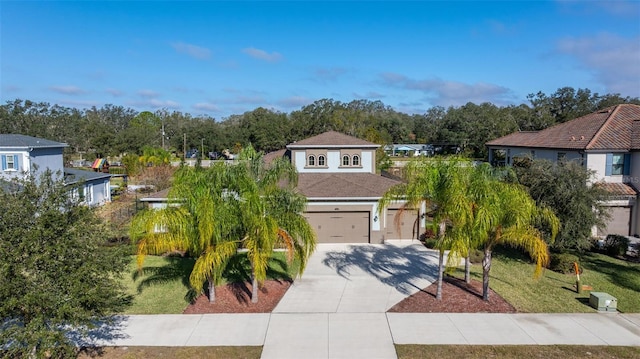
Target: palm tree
[
  {"x": 271, "y": 213},
  {"x": 506, "y": 214},
  {"x": 201, "y": 219},
  {"x": 438, "y": 185}
]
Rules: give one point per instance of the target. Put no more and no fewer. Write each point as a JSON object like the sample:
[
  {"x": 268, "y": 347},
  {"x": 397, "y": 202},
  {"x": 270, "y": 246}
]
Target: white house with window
[
  {"x": 337, "y": 174},
  {"x": 22, "y": 155},
  {"x": 607, "y": 142}
]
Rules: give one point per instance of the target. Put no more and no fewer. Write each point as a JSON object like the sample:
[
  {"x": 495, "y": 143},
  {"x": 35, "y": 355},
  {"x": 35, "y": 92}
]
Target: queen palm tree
[
  {"x": 201, "y": 219},
  {"x": 440, "y": 186},
  {"x": 506, "y": 214},
  {"x": 271, "y": 213}
]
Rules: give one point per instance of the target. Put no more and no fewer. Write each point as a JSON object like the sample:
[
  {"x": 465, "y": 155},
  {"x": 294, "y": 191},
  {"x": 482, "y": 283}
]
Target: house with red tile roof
[
  {"x": 337, "y": 174},
  {"x": 606, "y": 142}
]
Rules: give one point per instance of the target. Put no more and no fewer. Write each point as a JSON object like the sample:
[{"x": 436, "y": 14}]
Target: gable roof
[
  {"x": 609, "y": 129},
  {"x": 23, "y": 141},
  {"x": 332, "y": 139},
  {"x": 72, "y": 175},
  {"x": 344, "y": 185}
]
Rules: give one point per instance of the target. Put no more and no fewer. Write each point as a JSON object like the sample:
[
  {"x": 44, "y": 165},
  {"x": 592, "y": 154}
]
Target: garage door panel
[
  {"x": 407, "y": 222},
  {"x": 619, "y": 223},
  {"x": 342, "y": 227}
]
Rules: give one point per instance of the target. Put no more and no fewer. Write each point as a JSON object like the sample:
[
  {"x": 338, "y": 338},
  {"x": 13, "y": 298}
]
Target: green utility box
[{"x": 603, "y": 302}]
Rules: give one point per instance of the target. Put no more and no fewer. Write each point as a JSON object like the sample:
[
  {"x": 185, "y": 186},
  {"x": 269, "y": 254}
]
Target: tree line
[{"x": 113, "y": 130}]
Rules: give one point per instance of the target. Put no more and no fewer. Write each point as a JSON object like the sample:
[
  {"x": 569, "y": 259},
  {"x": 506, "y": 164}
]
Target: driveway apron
[{"x": 337, "y": 309}]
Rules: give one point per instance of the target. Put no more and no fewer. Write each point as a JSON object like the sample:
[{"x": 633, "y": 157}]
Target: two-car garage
[{"x": 356, "y": 226}]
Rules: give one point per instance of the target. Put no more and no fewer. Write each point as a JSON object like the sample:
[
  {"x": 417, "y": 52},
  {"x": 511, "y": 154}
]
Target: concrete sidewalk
[{"x": 371, "y": 335}]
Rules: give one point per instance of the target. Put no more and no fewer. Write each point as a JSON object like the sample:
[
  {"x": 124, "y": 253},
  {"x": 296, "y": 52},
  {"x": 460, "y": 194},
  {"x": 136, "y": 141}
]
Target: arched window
[
  {"x": 355, "y": 160},
  {"x": 311, "y": 161},
  {"x": 345, "y": 160},
  {"x": 321, "y": 161}
]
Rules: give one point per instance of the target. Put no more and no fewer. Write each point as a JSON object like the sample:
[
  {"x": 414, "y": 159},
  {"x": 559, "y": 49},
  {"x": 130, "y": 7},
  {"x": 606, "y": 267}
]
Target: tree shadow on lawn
[
  {"x": 238, "y": 275},
  {"x": 176, "y": 268},
  {"x": 624, "y": 275},
  {"x": 391, "y": 265}
]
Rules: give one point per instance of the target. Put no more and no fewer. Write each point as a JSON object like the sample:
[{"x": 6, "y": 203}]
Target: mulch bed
[
  {"x": 457, "y": 297},
  {"x": 236, "y": 298}
]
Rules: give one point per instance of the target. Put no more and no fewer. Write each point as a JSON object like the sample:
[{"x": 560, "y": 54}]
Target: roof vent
[
  {"x": 573, "y": 138},
  {"x": 581, "y": 138}
]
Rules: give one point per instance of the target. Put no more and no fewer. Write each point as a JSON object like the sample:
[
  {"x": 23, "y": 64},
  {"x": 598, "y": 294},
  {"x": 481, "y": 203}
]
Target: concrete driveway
[
  {"x": 360, "y": 278},
  {"x": 337, "y": 309}
]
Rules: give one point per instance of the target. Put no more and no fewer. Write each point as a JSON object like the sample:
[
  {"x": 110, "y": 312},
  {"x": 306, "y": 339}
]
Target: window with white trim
[
  {"x": 321, "y": 161},
  {"x": 311, "y": 160},
  {"x": 345, "y": 160},
  {"x": 355, "y": 160},
  {"x": 9, "y": 162}
]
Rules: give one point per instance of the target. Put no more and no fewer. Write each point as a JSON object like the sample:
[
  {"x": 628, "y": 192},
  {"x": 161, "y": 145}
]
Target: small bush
[
  {"x": 563, "y": 262},
  {"x": 476, "y": 256},
  {"x": 616, "y": 245}
]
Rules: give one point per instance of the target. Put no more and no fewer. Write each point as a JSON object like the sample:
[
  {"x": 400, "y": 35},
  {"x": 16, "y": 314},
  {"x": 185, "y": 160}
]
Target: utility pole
[
  {"x": 163, "y": 134},
  {"x": 184, "y": 146},
  {"x": 202, "y": 147}
]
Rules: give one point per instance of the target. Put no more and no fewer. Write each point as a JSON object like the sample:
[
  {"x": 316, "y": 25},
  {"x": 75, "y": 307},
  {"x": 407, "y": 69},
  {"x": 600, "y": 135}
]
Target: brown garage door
[
  {"x": 340, "y": 227},
  {"x": 619, "y": 223},
  {"x": 407, "y": 222}
]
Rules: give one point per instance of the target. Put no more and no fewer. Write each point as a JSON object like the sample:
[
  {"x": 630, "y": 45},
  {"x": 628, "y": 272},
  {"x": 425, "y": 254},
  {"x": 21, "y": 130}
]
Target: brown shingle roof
[
  {"x": 608, "y": 129},
  {"x": 332, "y": 139},
  {"x": 269, "y": 157},
  {"x": 617, "y": 189},
  {"x": 344, "y": 185}
]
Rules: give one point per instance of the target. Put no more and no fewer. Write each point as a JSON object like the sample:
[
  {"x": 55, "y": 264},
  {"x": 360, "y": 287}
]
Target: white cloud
[
  {"x": 148, "y": 94},
  {"x": 450, "y": 93},
  {"x": 155, "y": 104},
  {"x": 612, "y": 59},
  {"x": 81, "y": 103},
  {"x": 197, "y": 52},
  {"x": 328, "y": 74},
  {"x": 369, "y": 95},
  {"x": 262, "y": 55},
  {"x": 68, "y": 90},
  {"x": 114, "y": 92},
  {"x": 164, "y": 103},
  {"x": 206, "y": 106},
  {"x": 294, "y": 101}
]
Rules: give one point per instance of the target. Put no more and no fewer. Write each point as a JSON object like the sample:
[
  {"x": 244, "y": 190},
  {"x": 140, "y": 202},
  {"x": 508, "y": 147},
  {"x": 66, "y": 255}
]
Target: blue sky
[{"x": 223, "y": 58}]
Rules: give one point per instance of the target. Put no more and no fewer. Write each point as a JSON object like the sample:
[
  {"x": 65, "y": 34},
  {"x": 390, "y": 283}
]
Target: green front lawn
[
  {"x": 515, "y": 351},
  {"x": 512, "y": 278},
  {"x": 162, "y": 286}
]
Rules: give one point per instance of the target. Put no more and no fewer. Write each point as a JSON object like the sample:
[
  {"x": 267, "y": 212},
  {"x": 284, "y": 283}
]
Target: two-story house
[
  {"x": 337, "y": 174},
  {"x": 22, "y": 155},
  {"x": 607, "y": 142}
]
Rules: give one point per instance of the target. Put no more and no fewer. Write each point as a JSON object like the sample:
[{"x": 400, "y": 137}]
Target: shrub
[
  {"x": 476, "y": 256},
  {"x": 616, "y": 245},
  {"x": 563, "y": 262}
]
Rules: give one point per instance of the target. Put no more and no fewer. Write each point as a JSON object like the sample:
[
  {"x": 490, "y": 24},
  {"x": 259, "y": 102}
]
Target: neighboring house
[
  {"x": 409, "y": 149},
  {"x": 337, "y": 174},
  {"x": 23, "y": 155},
  {"x": 606, "y": 142},
  {"x": 93, "y": 188}
]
